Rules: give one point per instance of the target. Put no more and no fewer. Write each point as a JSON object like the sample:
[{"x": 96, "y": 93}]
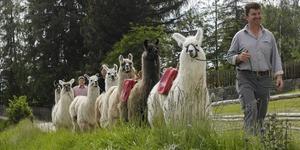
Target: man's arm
[
  {"x": 277, "y": 65},
  {"x": 233, "y": 51}
]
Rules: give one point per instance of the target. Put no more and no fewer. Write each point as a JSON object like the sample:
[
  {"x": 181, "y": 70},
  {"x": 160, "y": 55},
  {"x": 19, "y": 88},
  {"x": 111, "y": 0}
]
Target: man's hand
[
  {"x": 279, "y": 82},
  {"x": 243, "y": 57}
]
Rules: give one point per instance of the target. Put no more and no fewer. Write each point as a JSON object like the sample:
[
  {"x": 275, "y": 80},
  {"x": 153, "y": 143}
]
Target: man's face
[
  {"x": 254, "y": 17},
  {"x": 81, "y": 81}
]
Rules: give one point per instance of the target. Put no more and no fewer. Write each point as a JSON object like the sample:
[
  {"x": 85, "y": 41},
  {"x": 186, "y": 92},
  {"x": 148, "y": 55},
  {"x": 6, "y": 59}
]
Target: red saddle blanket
[
  {"x": 127, "y": 86},
  {"x": 166, "y": 80}
]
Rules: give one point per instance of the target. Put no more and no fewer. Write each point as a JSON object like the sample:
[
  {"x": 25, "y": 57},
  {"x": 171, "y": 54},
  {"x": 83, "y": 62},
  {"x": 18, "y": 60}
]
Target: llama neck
[
  {"x": 122, "y": 77},
  {"x": 191, "y": 72},
  {"x": 150, "y": 72},
  {"x": 109, "y": 83},
  {"x": 57, "y": 96},
  {"x": 92, "y": 94},
  {"x": 66, "y": 98}
]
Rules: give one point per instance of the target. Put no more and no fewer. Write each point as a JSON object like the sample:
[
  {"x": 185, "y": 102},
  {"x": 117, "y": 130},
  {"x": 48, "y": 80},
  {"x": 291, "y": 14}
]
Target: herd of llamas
[{"x": 186, "y": 101}]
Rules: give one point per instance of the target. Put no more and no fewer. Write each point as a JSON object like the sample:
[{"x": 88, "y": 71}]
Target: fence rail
[{"x": 224, "y": 78}]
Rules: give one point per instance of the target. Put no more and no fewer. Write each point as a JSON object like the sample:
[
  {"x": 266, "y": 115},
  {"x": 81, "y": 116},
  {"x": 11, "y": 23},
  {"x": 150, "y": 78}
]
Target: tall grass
[{"x": 201, "y": 136}]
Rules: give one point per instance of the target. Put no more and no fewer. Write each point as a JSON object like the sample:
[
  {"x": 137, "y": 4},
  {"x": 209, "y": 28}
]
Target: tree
[
  {"x": 107, "y": 21},
  {"x": 283, "y": 20},
  {"x": 132, "y": 42},
  {"x": 13, "y": 71}
]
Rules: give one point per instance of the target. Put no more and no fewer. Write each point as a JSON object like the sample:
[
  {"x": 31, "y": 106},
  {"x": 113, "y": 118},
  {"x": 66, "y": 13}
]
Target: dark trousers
[{"x": 254, "y": 92}]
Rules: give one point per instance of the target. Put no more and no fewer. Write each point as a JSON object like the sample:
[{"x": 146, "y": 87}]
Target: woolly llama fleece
[{"x": 187, "y": 100}]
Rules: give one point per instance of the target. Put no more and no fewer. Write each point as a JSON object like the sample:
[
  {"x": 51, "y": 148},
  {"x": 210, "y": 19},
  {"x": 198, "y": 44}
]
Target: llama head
[
  {"x": 191, "y": 45},
  {"x": 66, "y": 86},
  {"x": 151, "y": 50},
  {"x": 93, "y": 80},
  {"x": 111, "y": 73},
  {"x": 126, "y": 65}
]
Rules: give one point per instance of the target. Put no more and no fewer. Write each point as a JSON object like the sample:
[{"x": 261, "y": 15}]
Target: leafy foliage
[
  {"x": 133, "y": 43},
  {"x": 18, "y": 109},
  {"x": 276, "y": 134}
]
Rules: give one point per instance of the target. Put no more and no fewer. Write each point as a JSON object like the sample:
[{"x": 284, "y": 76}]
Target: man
[
  {"x": 254, "y": 52},
  {"x": 81, "y": 88}
]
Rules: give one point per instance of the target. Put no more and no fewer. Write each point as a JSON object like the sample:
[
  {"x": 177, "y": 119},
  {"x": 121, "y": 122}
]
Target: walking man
[{"x": 254, "y": 52}]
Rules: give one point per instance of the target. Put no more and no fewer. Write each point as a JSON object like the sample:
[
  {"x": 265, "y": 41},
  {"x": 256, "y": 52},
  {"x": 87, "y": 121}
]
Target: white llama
[
  {"x": 111, "y": 79},
  {"x": 126, "y": 71},
  {"x": 60, "y": 114},
  {"x": 187, "y": 99},
  {"x": 82, "y": 109}
]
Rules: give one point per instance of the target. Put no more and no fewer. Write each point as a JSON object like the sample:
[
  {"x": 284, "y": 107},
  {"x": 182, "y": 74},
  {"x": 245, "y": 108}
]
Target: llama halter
[{"x": 196, "y": 49}]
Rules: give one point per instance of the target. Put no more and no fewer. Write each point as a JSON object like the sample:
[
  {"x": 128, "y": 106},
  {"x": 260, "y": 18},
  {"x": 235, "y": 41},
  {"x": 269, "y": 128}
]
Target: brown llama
[{"x": 137, "y": 101}]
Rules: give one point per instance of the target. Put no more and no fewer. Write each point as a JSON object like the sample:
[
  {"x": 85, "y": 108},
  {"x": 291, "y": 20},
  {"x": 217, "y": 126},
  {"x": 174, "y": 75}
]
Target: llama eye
[{"x": 108, "y": 73}]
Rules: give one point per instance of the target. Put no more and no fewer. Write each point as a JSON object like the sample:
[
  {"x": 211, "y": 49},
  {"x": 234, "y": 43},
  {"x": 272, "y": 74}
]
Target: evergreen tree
[{"x": 13, "y": 71}]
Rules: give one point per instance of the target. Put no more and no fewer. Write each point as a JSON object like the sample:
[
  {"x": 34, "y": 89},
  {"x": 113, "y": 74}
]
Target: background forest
[{"x": 43, "y": 41}]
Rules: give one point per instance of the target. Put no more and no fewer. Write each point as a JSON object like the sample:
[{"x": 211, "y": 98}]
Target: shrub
[
  {"x": 276, "y": 135},
  {"x": 18, "y": 109}
]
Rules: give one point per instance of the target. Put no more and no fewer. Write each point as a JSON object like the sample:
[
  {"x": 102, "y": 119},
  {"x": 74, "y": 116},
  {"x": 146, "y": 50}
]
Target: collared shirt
[
  {"x": 80, "y": 90},
  {"x": 263, "y": 51}
]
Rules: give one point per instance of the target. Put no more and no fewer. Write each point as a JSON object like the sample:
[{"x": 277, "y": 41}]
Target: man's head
[
  {"x": 81, "y": 80},
  {"x": 253, "y": 13}
]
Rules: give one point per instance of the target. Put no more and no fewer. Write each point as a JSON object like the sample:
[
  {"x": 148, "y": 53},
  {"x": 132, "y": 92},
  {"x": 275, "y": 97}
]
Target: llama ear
[
  {"x": 55, "y": 83},
  {"x": 71, "y": 81},
  {"x": 115, "y": 67},
  {"x": 87, "y": 76},
  {"x": 121, "y": 58},
  {"x": 130, "y": 57},
  {"x": 199, "y": 35},
  {"x": 178, "y": 38},
  {"x": 61, "y": 82},
  {"x": 97, "y": 74},
  {"x": 104, "y": 67},
  {"x": 146, "y": 43},
  {"x": 156, "y": 41}
]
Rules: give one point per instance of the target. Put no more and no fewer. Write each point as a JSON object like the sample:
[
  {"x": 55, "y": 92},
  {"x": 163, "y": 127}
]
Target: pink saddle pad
[
  {"x": 126, "y": 89},
  {"x": 166, "y": 80}
]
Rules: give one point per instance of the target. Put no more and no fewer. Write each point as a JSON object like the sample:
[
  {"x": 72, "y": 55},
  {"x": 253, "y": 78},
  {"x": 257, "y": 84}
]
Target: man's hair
[
  {"x": 251, "y": 5},
  {"x": 81, "y": 77}
]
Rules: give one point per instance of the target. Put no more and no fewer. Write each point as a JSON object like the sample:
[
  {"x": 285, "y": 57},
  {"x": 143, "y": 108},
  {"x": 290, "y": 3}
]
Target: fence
[{"x": 225, "y": 78}]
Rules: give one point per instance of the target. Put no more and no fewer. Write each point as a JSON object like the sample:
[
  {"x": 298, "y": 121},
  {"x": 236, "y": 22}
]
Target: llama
[
  {"x": 111, "y": 79},
  {"x": 82, "y": 109},
  {"x": 57, "y": 89},
  {"x": 126, "y": 71},
  {"x": 187, "y": 99},
  {"x": 60, "y": 114},
  {"x": 137, "y": 100}
]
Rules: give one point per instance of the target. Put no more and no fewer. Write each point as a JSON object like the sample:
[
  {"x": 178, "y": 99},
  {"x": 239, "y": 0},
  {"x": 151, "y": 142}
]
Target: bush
[
  {"x": 18, "y": 109},
  {"x": 276, "y": 134}
]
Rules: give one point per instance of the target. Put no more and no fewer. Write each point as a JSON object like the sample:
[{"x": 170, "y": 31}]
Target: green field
[
  {"x": 26, "y": 136},
  {"x": 214, "y": 135},
  {"x": 289, "y": 105}
]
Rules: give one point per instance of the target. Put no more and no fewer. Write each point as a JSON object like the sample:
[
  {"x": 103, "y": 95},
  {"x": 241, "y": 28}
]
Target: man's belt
[{"x": 258, "y": 73}]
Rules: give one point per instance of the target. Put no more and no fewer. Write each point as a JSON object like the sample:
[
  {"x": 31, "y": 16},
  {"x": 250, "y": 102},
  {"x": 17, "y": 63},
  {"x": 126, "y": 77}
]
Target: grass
[
  {"x": 3, "y": 124},
  {"x": 289, "y": 105},
  {"x": 214, "y": 135},
  {"x": 26, "y": 136}
]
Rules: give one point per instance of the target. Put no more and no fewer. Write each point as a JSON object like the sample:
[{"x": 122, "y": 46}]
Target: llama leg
[
  {"x": 123, "y": 111},
  {"x": 75, "y": 125}
]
